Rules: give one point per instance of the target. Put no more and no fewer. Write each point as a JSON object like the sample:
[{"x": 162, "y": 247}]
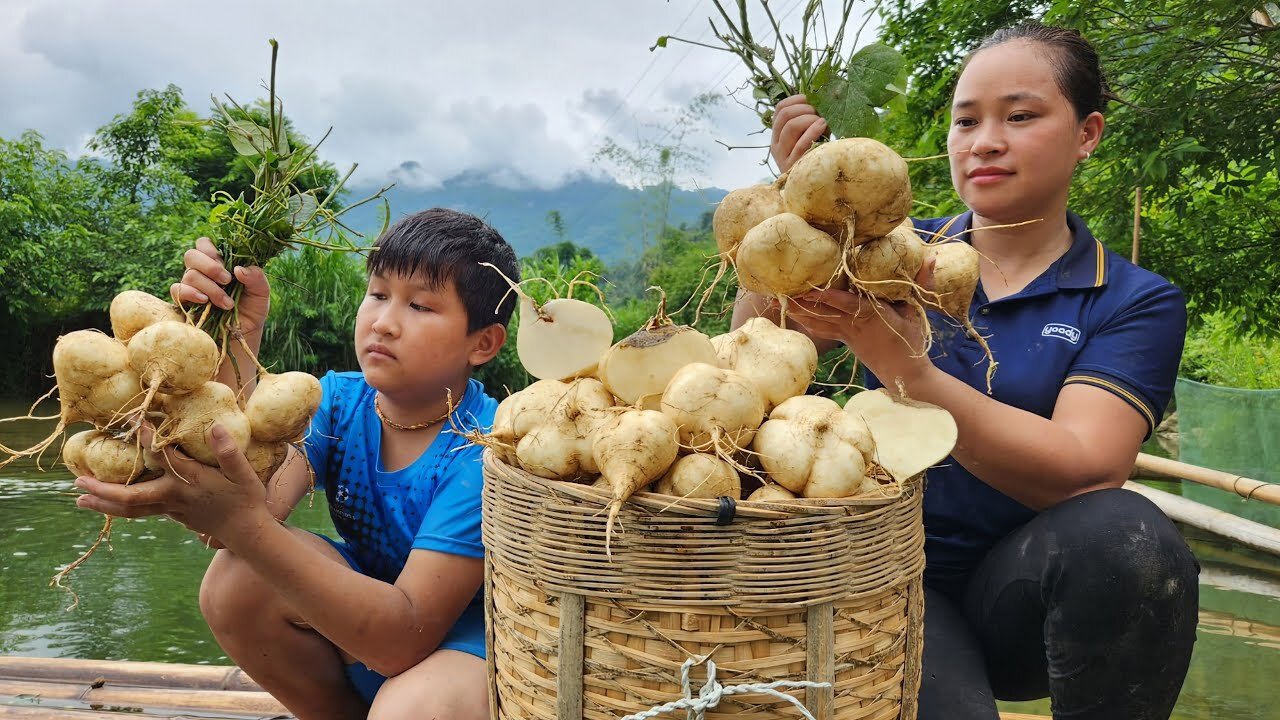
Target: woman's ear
[
  {"x": 1091, "y": 129},
  {"x": 486, "y": 342}
]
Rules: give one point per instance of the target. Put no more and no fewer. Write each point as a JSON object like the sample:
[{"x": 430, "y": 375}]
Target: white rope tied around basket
[{"x": 712, "y": 691}]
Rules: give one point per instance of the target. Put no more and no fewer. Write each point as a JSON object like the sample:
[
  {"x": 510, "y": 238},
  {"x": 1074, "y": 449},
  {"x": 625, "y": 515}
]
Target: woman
[{"x": 1043, "y": 577}]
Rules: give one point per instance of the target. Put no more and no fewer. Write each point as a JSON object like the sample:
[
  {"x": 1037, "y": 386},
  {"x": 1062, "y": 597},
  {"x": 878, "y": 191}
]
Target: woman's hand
[
  {"x": 796, "y": 127},
  {"x": 889, "y": 338},
  {"x": 219, "y": 502},
  {"x": 206, "y": 276}
]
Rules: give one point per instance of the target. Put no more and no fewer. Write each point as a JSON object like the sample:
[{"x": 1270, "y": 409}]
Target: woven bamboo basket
[{"x": 828, "y": 592}]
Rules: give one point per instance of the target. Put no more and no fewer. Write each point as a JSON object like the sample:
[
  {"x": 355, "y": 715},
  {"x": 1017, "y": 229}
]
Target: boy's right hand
[
  {"x": 796, "y": 127},
  {"x": 205, "y": 277}
]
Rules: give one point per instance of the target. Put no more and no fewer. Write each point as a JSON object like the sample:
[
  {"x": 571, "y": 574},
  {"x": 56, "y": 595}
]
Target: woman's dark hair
[
  {"x": 1076, "y": 65},
  {"x": 440, "y": 245}
]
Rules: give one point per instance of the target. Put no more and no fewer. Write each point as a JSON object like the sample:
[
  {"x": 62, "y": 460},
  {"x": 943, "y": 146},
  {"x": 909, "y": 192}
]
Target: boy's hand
[
  {"x": 796, "y": 127},
  {"x": 205, "y": 277},
  {"x": 220, "y": 502}
]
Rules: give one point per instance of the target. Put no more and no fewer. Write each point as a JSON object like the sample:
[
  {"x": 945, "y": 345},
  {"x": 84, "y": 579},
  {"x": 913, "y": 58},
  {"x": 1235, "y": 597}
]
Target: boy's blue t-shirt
[
  {"x": 1093, "y": 318},
  {"x": 433, "y": 504}
]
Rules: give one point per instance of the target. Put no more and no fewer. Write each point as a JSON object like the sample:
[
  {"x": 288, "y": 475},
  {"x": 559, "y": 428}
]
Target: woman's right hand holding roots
[
  {"x": 796, "y": 127},
  {"x": 206, "y": 277}
]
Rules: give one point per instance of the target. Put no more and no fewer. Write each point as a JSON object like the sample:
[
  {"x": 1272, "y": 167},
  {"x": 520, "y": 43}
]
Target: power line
[
  {"x": 680, "y": 61},
  {"x": 652, "y": 61}
]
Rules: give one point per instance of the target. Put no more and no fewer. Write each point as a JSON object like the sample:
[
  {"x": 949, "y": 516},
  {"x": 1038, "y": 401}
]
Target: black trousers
[{"x": 1093, "y": 604}]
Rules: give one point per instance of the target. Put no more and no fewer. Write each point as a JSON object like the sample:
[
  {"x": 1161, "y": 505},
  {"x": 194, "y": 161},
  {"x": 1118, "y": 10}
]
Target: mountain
[{"x": 611, "y": 219}]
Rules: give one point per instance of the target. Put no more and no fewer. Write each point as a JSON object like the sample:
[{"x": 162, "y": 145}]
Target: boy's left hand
[{"x": 217, "y": 502}]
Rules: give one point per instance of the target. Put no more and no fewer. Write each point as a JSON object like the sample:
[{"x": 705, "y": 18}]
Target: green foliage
[
  {"x": 68, "y": 243},
  {"x": 872, "y": 79},
  {"x": 782, "y": 62},
  {"x": 314, "y": 298},
  {"x": 1198, "y": 129},
  {"x": 73, "y": 234},
  {"x": 1219, "y": 352}
]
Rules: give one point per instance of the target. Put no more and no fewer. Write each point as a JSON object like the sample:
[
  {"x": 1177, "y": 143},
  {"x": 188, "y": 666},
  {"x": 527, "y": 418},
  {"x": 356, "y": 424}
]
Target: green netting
[{"x": 1235, "y": 431}]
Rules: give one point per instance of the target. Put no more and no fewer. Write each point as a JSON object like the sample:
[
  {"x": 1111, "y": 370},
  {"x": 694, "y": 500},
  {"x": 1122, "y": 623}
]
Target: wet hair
[
  {"x": 1076, "y": 65},
  {"x": 440, "y": 245}
]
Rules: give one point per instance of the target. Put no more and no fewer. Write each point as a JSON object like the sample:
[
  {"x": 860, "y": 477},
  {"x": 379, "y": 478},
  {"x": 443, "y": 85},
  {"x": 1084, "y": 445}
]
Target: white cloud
[{"x": 504, "y": 87}]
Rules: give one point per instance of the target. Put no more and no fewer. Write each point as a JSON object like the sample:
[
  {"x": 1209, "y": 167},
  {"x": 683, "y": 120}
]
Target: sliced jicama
[{"x": 910, "y": 436}]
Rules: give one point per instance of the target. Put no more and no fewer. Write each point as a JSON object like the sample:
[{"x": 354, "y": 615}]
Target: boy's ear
[{"x": 487, "y": 342}]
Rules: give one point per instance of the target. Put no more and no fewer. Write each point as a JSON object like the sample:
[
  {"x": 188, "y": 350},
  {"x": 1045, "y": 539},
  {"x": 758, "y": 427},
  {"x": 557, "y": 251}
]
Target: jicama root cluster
[
  {"x": 159, "y": 369},
  {"x": 695, "y": 417},
  {"x": 838, "y": 219}
]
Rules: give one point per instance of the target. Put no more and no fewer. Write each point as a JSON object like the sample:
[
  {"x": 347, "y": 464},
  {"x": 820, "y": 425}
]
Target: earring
[{"x": 1087, "y": 154}]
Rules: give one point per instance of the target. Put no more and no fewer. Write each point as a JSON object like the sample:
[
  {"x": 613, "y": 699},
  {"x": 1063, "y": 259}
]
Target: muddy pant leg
[
  {"x": 1113, "y": 589},
  {"x": 953, "y": 684}
]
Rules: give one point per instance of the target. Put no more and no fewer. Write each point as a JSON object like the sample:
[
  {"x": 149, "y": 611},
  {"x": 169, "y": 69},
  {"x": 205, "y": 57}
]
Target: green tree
[
  {"x": 1198, "y": 130},
  {"x": 161, "y": 149},
  {"x": 137, "y": 143},
  {"x": 68, "y": 244},
  {"x": 314, "y": 298}
]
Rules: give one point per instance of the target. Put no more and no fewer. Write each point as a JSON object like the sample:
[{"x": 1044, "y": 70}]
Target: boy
[{"x": 389, "y": 623}]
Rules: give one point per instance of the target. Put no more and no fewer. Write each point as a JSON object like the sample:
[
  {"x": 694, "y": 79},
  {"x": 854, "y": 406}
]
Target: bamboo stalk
[
  {"x": 1245, "y": 532},
  {"x": 1247, "y": 488},
  {"x": 47, "y": 712},
  {"x": 210, "y": 701},
  {"x": 42, "y": 712},
  {"x": 1137, "y": 220},
  {"x": 120, "y": 672}
]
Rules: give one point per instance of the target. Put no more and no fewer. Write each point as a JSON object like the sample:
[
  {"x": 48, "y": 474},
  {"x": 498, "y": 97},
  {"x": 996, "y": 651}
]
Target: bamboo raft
[
  {"x": 45, "y": 688},
  {"x": 42, "y": 688}
]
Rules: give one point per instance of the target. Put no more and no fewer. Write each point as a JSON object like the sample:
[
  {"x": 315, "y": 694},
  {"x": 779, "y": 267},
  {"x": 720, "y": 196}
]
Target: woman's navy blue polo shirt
[{"x": 1092, "y": 317}]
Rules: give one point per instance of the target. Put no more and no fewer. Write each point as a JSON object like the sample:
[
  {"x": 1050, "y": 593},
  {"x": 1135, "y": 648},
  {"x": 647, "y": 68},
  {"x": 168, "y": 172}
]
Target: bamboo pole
[
  {"x": 1137, "y": 220},
  {"x": 122, "y": 672},
  {"x": 42, "y": 712},
  {"x": 1245, "y": 532},
  {"x": 209, "y": 702},
  {"x": 1247, "y": 488}
]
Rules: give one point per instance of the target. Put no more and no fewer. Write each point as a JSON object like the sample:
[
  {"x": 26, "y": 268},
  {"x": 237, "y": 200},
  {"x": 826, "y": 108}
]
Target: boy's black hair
[{"x": 440, "y": 245}]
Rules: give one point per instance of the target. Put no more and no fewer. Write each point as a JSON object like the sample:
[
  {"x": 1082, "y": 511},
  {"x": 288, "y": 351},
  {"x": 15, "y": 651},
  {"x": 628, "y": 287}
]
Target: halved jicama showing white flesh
[
  {"x": 638, "y": 368},
  {"x": 910, "y": 436},
  {"x": 562, "y": 339}
]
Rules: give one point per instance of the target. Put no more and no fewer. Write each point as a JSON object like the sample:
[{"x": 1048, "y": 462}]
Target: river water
[{"x": 138, "y": 596}]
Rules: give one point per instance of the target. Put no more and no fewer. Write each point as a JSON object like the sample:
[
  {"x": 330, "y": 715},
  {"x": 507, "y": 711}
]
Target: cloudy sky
[{"x": 527, "y": 90}]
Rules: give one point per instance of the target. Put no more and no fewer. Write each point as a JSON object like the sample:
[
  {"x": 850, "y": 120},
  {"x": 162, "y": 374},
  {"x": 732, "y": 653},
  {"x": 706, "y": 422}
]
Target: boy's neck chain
[{"x": 377, "y": 408}]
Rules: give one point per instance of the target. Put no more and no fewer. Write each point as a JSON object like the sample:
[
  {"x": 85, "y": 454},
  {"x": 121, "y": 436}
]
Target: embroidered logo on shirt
[{"x": 1066, "y": 332}]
